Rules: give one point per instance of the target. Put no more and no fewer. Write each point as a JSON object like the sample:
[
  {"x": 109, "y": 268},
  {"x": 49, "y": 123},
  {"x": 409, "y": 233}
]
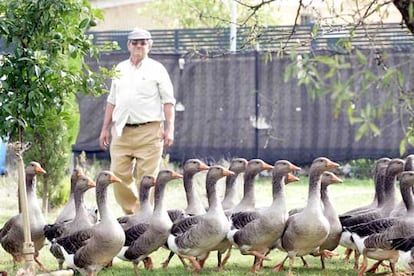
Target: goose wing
[
  {"x": 73, "y": 242},
  {"x": 241, "y": 219}
]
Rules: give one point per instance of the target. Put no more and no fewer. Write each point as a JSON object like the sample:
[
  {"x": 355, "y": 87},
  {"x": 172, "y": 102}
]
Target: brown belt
[{"x": 138, "y": 125}]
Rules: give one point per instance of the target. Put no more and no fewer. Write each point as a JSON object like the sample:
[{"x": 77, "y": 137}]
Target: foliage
[
  {"x": 207, "y": 14},
  {"x": 42, "y": 71},
  {"x": 362, "y": 168},
  {"x": 372, "y": 71}
]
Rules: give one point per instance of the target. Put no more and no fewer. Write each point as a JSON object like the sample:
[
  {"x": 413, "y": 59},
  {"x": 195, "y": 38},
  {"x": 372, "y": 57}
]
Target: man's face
[{"x": 139, "y": 47}]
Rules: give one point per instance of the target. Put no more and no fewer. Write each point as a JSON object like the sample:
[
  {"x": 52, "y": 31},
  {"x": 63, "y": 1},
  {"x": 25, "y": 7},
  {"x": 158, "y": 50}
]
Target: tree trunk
[{"x": 404, "y": 6}]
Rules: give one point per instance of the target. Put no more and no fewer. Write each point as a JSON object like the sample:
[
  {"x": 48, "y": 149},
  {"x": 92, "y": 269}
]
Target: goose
[
  {"x": 384, "y": 208},
  {"x": 12, "y": 233},
  {"x": 146, "y": 208},
  {"x": 332, "y": 241},
  {"x": 335, "y": 227},
  {"x": 194, "y": 204},
  {"x": 68, "y": 211},
  {"x": 145, "y": 238},
  {"x": 79, "y": 222},
  {"x": 405, "y": 247},
  {"x": 400, "y": 209},
  {"x": 266, "y": 225},
  {"x": 254, "y": 167},
  {"x": 378, "y": 200},
  {"x": 379, "y": 170},
  {"x": 394, "y": 168},
  {"x": 196, "y": 236},
  {"x": 238, "y": 166},
  {"x": 307, "y": 230},
  {"x": 89, "y": 250},
  {"x": 378, "y": 246}
]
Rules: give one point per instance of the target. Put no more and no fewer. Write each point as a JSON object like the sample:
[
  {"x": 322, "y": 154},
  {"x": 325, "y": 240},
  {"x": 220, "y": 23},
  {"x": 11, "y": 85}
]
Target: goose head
[
  {"x": 34, "y": 168},
  {"x": 84, "y": 183},
  {"x": 193, "y": 166},
  {"x": 328, "y": 178},
  {"x": 238, "y": 165}
]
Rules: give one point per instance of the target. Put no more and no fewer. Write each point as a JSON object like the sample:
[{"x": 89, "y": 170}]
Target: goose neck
[
  {"x": 213, "y": 200},
  {"x": 101, "y": 197},
  {"x": 314, "y": 191},
  {"x": 159, "y": 196}
]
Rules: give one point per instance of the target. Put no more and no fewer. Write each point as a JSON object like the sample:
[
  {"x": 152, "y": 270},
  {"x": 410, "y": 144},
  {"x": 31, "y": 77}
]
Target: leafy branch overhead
[
  {"x": 326, "y": 73},
  {"x": 46, "y": 43}
]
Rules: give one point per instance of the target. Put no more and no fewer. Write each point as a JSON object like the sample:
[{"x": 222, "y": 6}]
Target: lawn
[{"x": 347, "y": 195}]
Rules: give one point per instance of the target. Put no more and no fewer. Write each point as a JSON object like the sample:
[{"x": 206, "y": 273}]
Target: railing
[{"x": 274, "y": 38}]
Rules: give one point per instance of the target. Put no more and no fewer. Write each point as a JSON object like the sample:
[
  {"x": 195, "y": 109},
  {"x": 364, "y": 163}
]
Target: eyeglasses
[{"x": 140, "y": 42}]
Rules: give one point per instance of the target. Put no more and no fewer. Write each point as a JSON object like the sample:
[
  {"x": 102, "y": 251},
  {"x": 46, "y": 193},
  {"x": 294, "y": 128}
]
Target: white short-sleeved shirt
[{"x": 139, "y": 92}]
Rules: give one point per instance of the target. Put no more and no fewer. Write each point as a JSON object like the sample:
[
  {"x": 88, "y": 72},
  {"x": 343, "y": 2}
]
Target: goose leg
[
  {"x": 305, "y": 263},
  {"x": 374, "y": 267},
  {"x": 41, "y": 266},
  {"x": 291, "y": 261},
  {"x": 280, "y": 266},
  {"x": 323, "y": 262},
  {"x": 148, "y": 265},
  {"x": 226, "y": 258},
  {"x": 348, "y": 253},
  {"x": 136, "y": 271},
  {"x": 364, "y": 265},
  {"x": 165, "y": 263},
  {"x": 256, "y": 265},
  {"x": 356, "y": 259},
  {"x": 257, "y": 254},
  {"x": 202, "y": 261},
  {"x": 195, "y": 263}
]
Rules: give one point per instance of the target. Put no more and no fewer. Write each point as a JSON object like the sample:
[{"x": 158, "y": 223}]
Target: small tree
[{"x": 40, "y": 74}]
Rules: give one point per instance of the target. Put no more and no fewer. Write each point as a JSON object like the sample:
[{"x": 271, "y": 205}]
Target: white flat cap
[{"x": 137, "y": 33}]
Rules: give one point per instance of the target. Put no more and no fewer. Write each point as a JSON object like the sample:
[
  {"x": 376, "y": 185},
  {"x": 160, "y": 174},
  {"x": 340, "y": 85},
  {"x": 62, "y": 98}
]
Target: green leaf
[
  {"x": 374, "y": 129},
  {"x": 403, "y": 145},
  {"x": 362, "y": 130},
  {"x": 361, "y": 58}
]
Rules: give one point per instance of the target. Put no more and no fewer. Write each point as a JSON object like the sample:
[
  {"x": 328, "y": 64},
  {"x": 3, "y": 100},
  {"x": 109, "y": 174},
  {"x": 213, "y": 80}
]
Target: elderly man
[{"x": 139, "y": 119}]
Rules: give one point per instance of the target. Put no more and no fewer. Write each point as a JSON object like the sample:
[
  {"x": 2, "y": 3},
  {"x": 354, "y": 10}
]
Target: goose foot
[
  {"x": 280, "y": 266},
  {"x": 226, "y": 258},
  {"x": 305, "y": 263},
  {"x": 194, "y": 262},
  {"x": 258, "y": 255},
  {"x": 374, "y": 267},
  {"x": 202, "y": 260},
  {"x": 148, "y": 265}
]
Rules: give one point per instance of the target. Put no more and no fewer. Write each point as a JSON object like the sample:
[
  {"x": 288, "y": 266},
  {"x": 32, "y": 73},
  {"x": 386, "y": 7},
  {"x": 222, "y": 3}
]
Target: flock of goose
[{"x": 88, "y": 240}]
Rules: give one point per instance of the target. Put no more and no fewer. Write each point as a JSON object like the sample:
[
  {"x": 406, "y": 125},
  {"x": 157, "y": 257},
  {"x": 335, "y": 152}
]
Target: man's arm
[
  {"x": 169, "y": 113},
  {"x": 104, "y": 138}
]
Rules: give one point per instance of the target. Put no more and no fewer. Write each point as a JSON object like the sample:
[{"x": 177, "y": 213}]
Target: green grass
[{"x": 347, "y": 195}]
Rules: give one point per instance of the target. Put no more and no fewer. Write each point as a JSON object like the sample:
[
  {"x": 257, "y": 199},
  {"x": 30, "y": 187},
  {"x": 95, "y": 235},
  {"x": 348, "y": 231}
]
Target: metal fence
[{"x": 302, "y": 38}]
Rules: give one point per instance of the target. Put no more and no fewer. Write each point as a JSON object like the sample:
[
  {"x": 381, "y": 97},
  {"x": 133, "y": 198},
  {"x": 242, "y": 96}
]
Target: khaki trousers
[{"x": 134, "y": 154}]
